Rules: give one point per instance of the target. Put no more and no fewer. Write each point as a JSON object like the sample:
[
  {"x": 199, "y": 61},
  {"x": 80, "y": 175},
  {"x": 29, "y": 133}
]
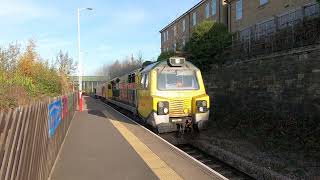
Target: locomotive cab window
[
  {"x": 133, "y": 78},
  {"x": 129, "y": 78},
  {"x": 144, "y": 81},
  {"x": 182, "y": 79}
]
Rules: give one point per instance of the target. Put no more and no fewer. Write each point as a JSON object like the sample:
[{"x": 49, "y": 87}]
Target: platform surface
[{"x": 103, "y": 144}]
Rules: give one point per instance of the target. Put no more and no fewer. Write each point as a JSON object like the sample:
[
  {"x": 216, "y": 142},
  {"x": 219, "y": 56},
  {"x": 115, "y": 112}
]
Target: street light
[{"x": 79, "y": 48}]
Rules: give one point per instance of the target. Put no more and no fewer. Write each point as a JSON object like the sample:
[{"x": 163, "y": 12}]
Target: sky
[{"x": 113, "y": 30}]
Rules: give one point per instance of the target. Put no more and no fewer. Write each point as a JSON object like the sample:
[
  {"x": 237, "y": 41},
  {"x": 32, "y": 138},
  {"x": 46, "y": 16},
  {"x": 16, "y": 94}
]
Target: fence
[
  {"x": 291, "y": 30},
  {"x": 28, "y": 147}
]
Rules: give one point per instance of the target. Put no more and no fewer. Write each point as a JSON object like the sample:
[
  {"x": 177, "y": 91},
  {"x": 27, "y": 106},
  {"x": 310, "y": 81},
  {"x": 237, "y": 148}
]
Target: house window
[
  {"x": 214, "y": 7},
  {"x": 167, "y": 35},
  {"x": 175, "y": 30},
  {"x": 239, "y": 10},
  {"x": 183, "y": 42},
  {"x": 183, "y": 25},
  {"x": 174, "y": 46},
  {"x": 207, "y": 12},
  {"x": 262, "y": 2},
  {"x": 164, "y": 36},
  {"x": 194, "y": 18}
]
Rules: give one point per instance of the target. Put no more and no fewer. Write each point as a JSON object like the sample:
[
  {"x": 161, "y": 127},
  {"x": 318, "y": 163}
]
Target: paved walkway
[{"x": 103, "y": 145}]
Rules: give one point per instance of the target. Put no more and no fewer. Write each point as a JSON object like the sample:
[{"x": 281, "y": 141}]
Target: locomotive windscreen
[{"x": 182, "y": 79}]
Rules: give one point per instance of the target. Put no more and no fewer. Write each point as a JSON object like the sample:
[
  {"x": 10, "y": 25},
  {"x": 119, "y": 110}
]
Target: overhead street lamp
[{"x": 79, "y": 48}]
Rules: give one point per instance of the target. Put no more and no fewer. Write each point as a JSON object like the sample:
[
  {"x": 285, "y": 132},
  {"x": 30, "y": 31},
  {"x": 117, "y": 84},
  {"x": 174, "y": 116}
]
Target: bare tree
[
  {"x": 140, "y": 57},
  {"x": 9, "y": 57},
  {"x": 119, "y": 68},
  {"x": 66, "y": 64}
]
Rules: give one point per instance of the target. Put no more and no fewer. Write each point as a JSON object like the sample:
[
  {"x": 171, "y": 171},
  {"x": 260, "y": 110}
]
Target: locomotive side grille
[{"x": 176, "y": 107}]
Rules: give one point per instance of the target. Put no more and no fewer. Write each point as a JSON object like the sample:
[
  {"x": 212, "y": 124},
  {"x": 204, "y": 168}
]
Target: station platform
[{"x": 103, "y": 144}]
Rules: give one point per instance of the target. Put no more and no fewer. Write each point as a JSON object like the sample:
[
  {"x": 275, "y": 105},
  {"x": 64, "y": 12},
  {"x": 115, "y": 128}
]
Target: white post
[{"x": 79, "y": 54}]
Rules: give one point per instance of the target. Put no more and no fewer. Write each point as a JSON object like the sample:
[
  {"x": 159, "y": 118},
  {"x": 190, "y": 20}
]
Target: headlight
[
  {"x": 202, "y": 106},
  {"x": 160, "y": 104},
  {"x": 163, "y": 108}
]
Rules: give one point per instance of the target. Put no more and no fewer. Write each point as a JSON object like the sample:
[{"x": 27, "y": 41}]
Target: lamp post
[
  {"x": 79, "y": 58},
  {"x": 79, "y": 48}
]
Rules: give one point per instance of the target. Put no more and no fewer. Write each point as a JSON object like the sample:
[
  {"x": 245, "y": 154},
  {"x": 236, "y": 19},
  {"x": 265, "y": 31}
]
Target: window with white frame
[
  {"x": 214, "y": 7},
  {"x": 175, "y": 30},
  {"x": 164, "y": 36},
  {"x": 262, "y": 2},
  {"x": 239, "y": 10},
  {"x": 207, "y": 11},
  {"x": 194, "y": 18},
  {"x": 183, "y": 41},
  {"x": 183, "y": 25}
]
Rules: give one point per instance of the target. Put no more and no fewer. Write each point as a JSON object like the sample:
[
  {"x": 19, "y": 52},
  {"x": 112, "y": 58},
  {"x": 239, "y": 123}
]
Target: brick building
[
  {"x": 245, "y": 18},
  {"x": 256, "y": 18},
  {"x": 178, "y": 32}
]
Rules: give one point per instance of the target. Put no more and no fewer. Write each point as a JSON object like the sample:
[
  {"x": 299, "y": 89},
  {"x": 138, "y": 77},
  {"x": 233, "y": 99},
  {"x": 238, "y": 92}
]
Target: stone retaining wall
[{"x": 285, "y": 85}]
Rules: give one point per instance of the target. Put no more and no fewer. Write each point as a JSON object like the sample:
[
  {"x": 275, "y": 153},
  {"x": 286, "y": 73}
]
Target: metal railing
[
  {"x": 28, "y": 150},
  {"x": 291, "y": 30}
]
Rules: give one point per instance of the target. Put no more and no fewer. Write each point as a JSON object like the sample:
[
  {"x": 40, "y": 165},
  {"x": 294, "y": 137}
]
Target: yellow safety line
[{"x": 159, "y": 167}]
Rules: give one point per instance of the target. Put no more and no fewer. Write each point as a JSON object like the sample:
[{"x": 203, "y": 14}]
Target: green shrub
[
  {"x": 24, "y": 76},
  {"x": 165, "y": 55},
  {"x": 207, "y": 43}
]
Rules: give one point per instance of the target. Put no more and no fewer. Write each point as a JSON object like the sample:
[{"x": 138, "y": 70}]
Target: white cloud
[
  {"x": 48, "y": 45},
  {"x": 129, "y": 16},
  {"x": 54, "y": 43},
  {"x": 14, "y": 11}
]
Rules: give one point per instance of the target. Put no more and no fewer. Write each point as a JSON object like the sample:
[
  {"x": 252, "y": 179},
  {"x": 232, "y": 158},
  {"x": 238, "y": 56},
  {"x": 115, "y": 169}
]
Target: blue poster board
[{"x": 54, "y": 116}]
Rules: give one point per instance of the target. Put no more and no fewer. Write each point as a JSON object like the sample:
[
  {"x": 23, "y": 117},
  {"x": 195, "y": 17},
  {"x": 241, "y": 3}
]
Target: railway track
[
  {"x": 215, "y": 164},
  {"x": 210, "y": 161}
]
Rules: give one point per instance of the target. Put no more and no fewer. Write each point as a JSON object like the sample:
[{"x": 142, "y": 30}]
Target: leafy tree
[
  {"x": 165, "y": 55},
  {"x": 318, "y": 1},
  {"x": 207, "y": 43},
  {"x": 25, "y": 76},
  {"x": 28, "y": 59}
]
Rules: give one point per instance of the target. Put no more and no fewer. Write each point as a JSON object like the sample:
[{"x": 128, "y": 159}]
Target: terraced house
[
  {"x": 246, "y": 18},
  {"x": 257, "y": 18},
  {"x": 178, "y": 32}
]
